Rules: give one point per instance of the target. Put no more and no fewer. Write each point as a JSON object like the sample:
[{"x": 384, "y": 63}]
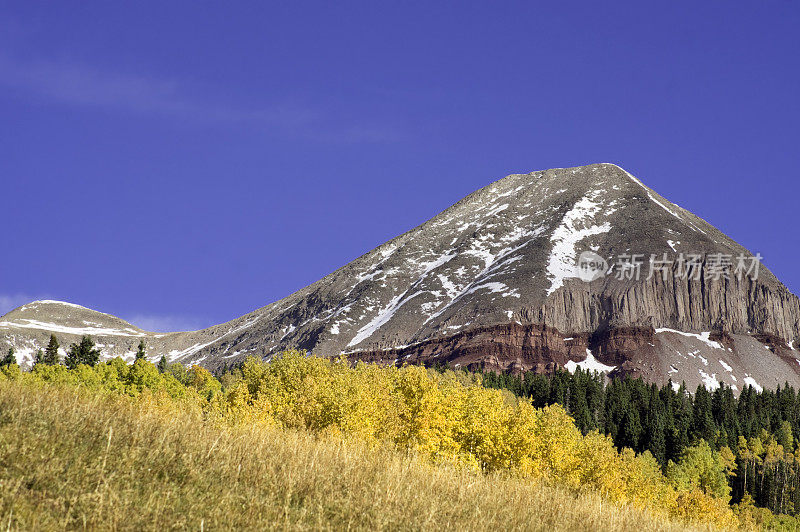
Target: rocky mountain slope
[{"x": 493, "y": 282}]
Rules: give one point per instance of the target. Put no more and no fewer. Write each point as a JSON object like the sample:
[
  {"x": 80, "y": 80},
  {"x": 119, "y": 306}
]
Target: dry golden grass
[{"x": 72, "y": 460}]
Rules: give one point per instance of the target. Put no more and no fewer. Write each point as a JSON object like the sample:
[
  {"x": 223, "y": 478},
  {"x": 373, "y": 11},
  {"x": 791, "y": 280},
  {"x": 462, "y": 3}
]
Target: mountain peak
[
  {"x": 492, "y": 281},
  {"x": 39, "y": 302}
]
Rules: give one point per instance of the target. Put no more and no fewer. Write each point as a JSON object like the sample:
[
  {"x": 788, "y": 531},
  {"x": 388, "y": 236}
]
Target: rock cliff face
[
  {"x": 494, "y": 282},
  {"x": 727, "y": 305}
]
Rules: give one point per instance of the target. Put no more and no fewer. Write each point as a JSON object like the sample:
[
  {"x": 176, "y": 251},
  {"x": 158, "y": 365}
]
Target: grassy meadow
[
  {"x": 76, "y": 460},
  {"x": 307, "y": 443}
]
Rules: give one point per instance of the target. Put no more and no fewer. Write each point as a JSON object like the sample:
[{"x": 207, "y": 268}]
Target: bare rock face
[{"x": 493, "y": 282}]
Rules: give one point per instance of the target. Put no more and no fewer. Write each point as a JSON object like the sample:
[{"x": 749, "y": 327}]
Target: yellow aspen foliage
[
  {"x": 700, "y": 468},
  {"x": 557, "y": 447},
  {"x": 10, "y": 372},
  {"x": 425, "y": 419},
  {"x": 697, "y": 506},
  {"x": 447, "y": 417},
  {"x": 728, "y": 460},
  {"x": 752, "y": 517},
  {"x": 203, "y": 381}
]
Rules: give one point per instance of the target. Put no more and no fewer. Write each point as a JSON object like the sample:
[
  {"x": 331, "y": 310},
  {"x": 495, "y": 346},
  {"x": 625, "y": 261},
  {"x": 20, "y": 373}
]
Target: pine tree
[
  {"x": 784, "y": 435},
  {"x": 9, "y": 358},
  {"x": 540, "y": 390},
  {"x": 631, "y": 430},
  {"x": 51, "y": 352},
  {"x": 140, "y": 351},
  {"x": 679, "y": 438},
  {"x": 702, "y": 418},
  {"x": 559, "y": 388},
  {"x": 162, "y": 364},
  {"x": 579, "y": 407},
  {"x": 654, "y": 427},
  {"x": 82, "y": 353}
]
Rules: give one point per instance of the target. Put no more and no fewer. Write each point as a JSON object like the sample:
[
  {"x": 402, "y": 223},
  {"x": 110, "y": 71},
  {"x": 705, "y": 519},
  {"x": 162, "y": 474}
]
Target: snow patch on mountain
[
  {"x": 752, "y": 383},
  {"x": 51, "y": 302},
  {"x": 429, "y": 266},
  {"x": 575, "y": 226},
  {"x": 383, "y": 316},
  {"x": 54, "y": 327},
  {"x": 703, "y": 336},
  {"x": 588, "y": 364},
  {"x": 497, "y": 209},
  {"x": 709, "y": 381}
]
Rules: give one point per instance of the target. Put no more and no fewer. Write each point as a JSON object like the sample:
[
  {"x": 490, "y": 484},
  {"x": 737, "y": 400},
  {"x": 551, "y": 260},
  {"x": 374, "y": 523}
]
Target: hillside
[
  {"x": 123, "y": 466},
  {"x": 308, "y": 442}
]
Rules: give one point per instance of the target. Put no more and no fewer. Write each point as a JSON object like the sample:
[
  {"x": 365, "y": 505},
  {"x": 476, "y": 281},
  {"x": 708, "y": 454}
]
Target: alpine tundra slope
[{"x": 493, "y": 282}]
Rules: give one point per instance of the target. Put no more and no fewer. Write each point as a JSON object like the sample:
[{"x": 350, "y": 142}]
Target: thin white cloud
[
  {"x": 9, "y": 302},
  {"x": 75, "y": 83},
  {"x": 161, "y": 323},
  {"x": 80, "y": 84}
]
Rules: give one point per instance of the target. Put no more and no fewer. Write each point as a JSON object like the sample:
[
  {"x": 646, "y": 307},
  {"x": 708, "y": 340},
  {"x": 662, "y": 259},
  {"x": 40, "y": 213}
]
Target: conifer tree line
[
  {"x": 86, "y": 353},
  {"x": 756, "y": 434},
  {"x": 83, "y": 352}
]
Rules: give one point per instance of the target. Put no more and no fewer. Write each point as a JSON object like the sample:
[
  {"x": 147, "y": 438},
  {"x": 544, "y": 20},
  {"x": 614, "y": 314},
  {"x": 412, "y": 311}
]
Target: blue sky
[{"x": 181, "y": 163}]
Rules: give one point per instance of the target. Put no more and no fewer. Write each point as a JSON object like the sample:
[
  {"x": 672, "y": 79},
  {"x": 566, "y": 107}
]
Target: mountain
[{"x": 492, "y": 282}]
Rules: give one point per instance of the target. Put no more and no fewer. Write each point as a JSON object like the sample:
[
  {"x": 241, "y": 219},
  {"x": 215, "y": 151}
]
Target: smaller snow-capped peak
[
  {"x": 52, "y": 302},
  {"x": 66, "y": 318}
]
